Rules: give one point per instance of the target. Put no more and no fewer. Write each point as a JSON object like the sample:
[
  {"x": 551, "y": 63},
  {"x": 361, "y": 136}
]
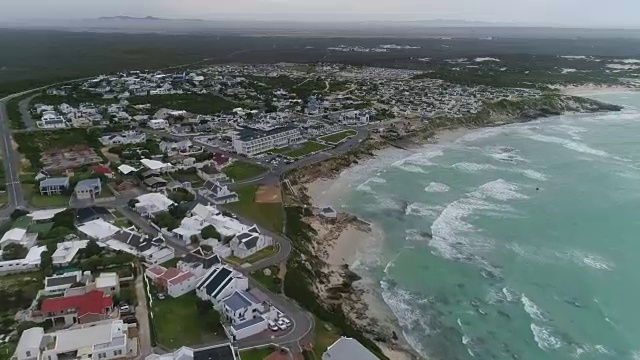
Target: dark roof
[
  {"x": 207, "y": 259},
  {"x": 150, "y": 173},
  {"x": 217, "y": 280},
  {"x": 219, "y": 352},
  {"x": 222, "y": 287},
  {"x": 243, "y": 236},
  {"x": 210, "y": 184},
  {"x": 62, "y": 280},
  {"x": 248, "y": 134},
  {"x": 155, "y": 181},
  {"x": 251, "y": 242},
  {"x": 92, "y": 212}
]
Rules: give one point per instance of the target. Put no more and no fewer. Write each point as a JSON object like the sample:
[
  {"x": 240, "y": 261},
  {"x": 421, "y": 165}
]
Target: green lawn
[
  {"x": 22, "y": 222},
  {"x": 241, "y": 170},
  {"x": 323, "y": 338},
  {"x": 177, "y": 322},
  {"x": 41, "y": 228},
  {"x": 268, "y": 215},
  {"x": 4, "y": 197},
  {"x": 337, "y": 137},
  {"x": 171, "y": 263},
  {"x": 256, "y": 354},
  {"x": 34, "y": 198},
  {"x": 262, "y": 254},
  {"x": 271, "y": 282},
  {"x": 282, "y": 150},
  {"x": 105, "y": 193},
  {"x": 306, "y": 148}
]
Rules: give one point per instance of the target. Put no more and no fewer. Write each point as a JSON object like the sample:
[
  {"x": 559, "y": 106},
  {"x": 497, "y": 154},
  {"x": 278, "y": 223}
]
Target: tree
[
  {"x": 14, "y": 252},
  {"x": 92, "y": 249},
  {"x": 210, "y": 232},
  {"x": 18, "y": 213},
  {"x": 195, "y": 240},
  {"x": 46, "y": 263},
  {"x": 166, "y": 220},
  {"x": 64, "y": 219},
  {"x": 132, "y": 203}
]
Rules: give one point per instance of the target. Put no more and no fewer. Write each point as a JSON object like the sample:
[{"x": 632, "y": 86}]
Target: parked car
[
  {"x": 283, "y": 323},
  {"x": 161, "y": 296},
  {"x": 273, "y": 326},
  {"x": 125, "y": 308},
  {"x": 281, "y": 326},
  {"x": 130, "y": 320}
]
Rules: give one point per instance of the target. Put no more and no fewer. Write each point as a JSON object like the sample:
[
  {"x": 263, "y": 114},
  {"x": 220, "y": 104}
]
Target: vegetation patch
[
  {"x": 32, "y": 194},
  {"x": 271, "y": 281},
  {"x": 268, "y": 215},
  {"x": 193, "y": 103},
  {"x": 338, "y": 137},
  {"x": 185, "y": 321},
  {"x": 241, "y": 170},
  {"x": 256, "y": 354},
  {"x": 306, "y": 148}
]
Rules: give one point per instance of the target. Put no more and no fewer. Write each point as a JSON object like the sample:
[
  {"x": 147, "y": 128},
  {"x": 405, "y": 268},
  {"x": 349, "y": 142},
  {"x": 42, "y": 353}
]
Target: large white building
[
  {"x": 251, "y": 142},
  {"x": 249, "y": 242},
  {"x": 104, "y": 341}
]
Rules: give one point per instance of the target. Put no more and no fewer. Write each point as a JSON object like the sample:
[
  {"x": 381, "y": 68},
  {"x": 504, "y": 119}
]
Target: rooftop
[
  {"x": 348, "y": 348},
  {"x": 93, "y": 302}
]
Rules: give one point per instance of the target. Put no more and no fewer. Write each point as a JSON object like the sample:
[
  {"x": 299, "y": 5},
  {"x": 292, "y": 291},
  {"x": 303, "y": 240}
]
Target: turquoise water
[{"x": 518, "y": 242}]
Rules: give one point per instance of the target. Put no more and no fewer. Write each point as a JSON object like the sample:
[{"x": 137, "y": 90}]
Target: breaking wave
[
  {"x": 474, "y": 167},
  {"x": 544, "y": 337},
  {"x": 532, "y": 309}
]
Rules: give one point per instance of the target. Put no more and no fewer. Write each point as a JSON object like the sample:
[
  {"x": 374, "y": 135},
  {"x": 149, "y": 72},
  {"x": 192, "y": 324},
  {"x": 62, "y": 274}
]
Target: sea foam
[
  {"x": 435, "y": 187},
  {"x": 544, "y": 337},
  {"x": 532, "y": 309}
]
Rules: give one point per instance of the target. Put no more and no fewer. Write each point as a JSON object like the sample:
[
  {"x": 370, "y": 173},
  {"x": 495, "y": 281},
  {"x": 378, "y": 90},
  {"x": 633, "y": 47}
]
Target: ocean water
[{"x": 515, "y": 242}]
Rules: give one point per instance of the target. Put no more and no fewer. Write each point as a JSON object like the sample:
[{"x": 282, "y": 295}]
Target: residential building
[
  {"x": 209, "y": 172},
  {"x": 31, "y": 262},
  {"x": 328, "y": 212},
  {"x": 66, "y": 251},
  {"x": 180, "y": 146},
  {"x": 158, "y": 124},
  {"x": 104, "y": 341},
  {"x": 18, "y": 236},
  {"x": 91, "y": 213},
  {"x": 348, "y": 348},
  {"x": 152, "y": 203},
  {"x": 246, "y": 314},
  {"x": 173, "y": 281},
  {"x": 251, "y": 142},
  {"x": 189, "y": 226},
  {"x": 88, "y": 189},
  {"x": 205, "y": 256},
  {"x": 104, "y": 171},
  {"x": 108, "y": 283},
  {"x": 77, "y": 309},
  {"x": 98, "y": 229},
  {"x": 218, "y": 194},
  {"x": 249, "y": 242},
  {"x": 155, "y": 183},
  {"x": 220, "y": 282},
  {"x": 58, "y": 284},
  {"x": 54, "y": 185},
  {"x": 125, "y": 137},
  {"x": 51, "y": 121},
  {"x": 154, "y": 251},
  {"x": 215, "y": 352},
  {"x": 156, "y": 165},
  {"x": 226, "y": 226}
]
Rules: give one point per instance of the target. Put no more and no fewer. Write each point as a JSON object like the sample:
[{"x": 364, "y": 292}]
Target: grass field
[
  {"x": 177, "y": 322},
  {"x": 337, "y": 137},
  {"x": 268, "y": 215},
  {"x": 4, "y": 198},
  {"x": 306, "y": 148},
  {"x": 271, "y": 282},
  {"x": 240, "y": 170},
  {"x": 34, "y": 198},
  {"x": 323, "y": 337},
  {"x": 256, "y": 354}
]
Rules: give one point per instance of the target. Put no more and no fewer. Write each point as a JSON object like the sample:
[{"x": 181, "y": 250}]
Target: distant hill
[{"x": 145, "y": 18}]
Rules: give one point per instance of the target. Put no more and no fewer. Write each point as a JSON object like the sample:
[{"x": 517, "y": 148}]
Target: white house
[
  {"x": 152, "y": 203},
  {"x": 156, "y": 165},
  {"x": 218, "y": 194},
  {"x": 125, "y": 137},
  {"x": 216, "y": 352},
  {"x": 66, "y": 251},
  {"x": 249, "y": 242},
  {"x": 58, "y": 284},
  {"x": 246, "y": 314},
  {"x": 172, "y": 280},
  {"x": 105, "y": 341},
  {"x": 158, "y": 124},
  {"x": 219, "y": 283},
  {"x": 88, "y": 189},
  {"x": 98, "y": 229},
  {"x": 190, "y": 226},
  {"x": 18, "y": 236},
  {"x": 108, "y": 283},
  {"x": 29, "y": 263},
  {"x": 155, "y": 251}
]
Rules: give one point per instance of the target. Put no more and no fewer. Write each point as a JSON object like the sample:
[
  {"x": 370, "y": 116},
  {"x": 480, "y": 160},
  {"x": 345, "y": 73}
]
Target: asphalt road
[{"x": 11, "y": 162}]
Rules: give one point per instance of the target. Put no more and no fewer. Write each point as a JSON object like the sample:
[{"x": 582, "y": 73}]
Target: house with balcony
[
  {"x": 54, "y": 186},
  {"x": 77, "y": 309},
  {"x": 88, "y": 189}
]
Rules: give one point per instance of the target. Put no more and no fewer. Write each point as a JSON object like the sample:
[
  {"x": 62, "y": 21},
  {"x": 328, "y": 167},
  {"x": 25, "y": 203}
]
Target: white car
[
  {"x": 284, "y": 321},
  {"x": 125, "y": 308},
  {"x": 281, "y": 326},
  {"x": 273, "y": 326}
]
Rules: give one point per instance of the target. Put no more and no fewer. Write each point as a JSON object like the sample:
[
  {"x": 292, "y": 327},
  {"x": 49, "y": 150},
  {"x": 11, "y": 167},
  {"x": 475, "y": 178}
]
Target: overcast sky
[{"x": 588, "y": 13}]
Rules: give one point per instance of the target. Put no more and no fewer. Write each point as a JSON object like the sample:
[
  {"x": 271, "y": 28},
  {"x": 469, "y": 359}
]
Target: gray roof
[
  {"x": 217, "y": 352},
  {"x": 348, "y": 348},
  {"x": 248, "y": 134},
  {"x": 88, "y": 184},
  {"x": 251, "y": 322},
  {"x": 237, "y": 302},
  {"x": 54, "y": 181}
]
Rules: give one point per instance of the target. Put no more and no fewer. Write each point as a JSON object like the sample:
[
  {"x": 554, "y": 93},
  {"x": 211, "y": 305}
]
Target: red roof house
[
  {"x": 72, "y": 308},
  {"x": 103, "y": 170}
]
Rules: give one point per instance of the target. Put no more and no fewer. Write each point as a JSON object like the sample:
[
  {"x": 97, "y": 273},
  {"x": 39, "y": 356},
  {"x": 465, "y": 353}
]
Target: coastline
[
  {"x": 338, "y": 241},
  {"x": 587, "y": 90}
]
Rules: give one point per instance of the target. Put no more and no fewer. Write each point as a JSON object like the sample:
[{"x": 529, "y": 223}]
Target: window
[
  {"x": 102, "y": 355},
  {"x": 117, "y": 352},
  {"x": 28, "y": 353}
]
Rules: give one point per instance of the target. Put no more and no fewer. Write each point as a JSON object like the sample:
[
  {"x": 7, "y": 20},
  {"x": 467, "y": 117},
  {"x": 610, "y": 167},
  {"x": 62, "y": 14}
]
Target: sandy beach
[{"x": 586, "y": 90}]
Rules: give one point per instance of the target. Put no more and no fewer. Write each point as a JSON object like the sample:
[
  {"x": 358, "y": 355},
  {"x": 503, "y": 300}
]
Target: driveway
[{"x": 142, "y": 314}]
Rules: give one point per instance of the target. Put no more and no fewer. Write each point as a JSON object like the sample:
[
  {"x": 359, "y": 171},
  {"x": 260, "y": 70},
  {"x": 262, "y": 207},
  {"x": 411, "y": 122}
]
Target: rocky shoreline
[{"x": 338, "y": 287}]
